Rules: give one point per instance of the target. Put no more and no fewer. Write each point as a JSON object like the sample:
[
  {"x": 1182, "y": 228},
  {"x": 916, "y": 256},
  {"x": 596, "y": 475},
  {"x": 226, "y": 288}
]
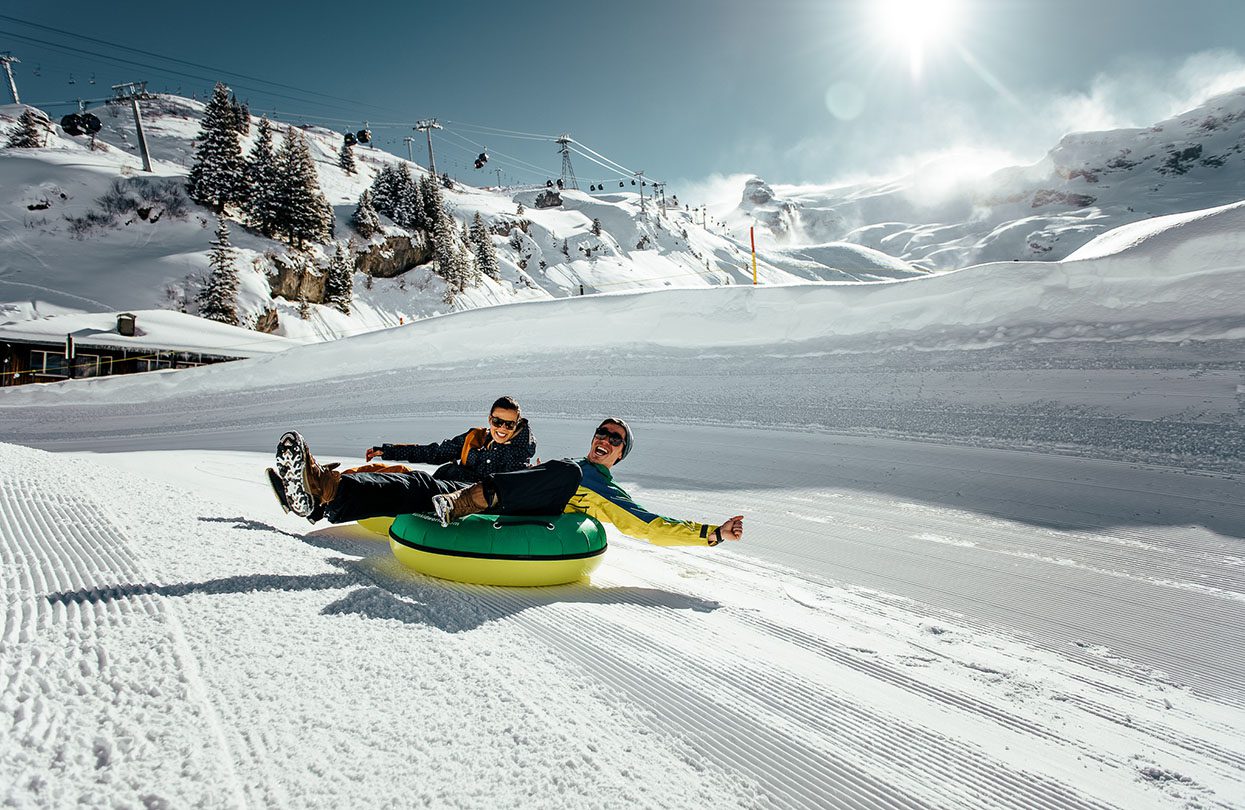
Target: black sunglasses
[
  {"x": 611, "y": 437},
  {"x": 506, "y": 423}
]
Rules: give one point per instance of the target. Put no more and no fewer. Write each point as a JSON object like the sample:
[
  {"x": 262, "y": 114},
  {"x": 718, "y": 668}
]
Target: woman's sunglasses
[
  {"x": 508, "y": 424},
  {"x": 611, "y": 437}
]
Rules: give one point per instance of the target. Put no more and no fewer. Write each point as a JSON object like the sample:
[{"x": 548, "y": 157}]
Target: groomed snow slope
[{"x": 965, "y": 581}]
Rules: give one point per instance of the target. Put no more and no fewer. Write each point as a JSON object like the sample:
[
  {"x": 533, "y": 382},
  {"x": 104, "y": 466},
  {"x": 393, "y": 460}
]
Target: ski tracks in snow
[
  {"x": 248, "y": 660},
  {"x": 853, "y": 702},
  {"x": 100, "y": 696}
]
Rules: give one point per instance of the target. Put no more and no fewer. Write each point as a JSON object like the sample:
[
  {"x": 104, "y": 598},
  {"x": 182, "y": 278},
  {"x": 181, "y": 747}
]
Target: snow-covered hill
[
  {"x": 84, "y": 229},
  {"x": 1091, "y": 182}
]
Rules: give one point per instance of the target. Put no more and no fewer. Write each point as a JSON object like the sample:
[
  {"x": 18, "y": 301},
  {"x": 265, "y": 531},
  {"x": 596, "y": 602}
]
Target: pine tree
[
  {"x": 566, "y": 249},
  {"x": 345, "y": 159},
  {"x": 383, "y": 190},
  {"x": 486, "y": 254},
  {"x": 415, "y": 201},
  {"x": 365, "y": 219},
  {"x": 596, "y": 226},
  {"x": 262, "y": 182},
  {"x": 218, "y": 300},
  {"x": 29, "y": 132},
  {"x": 339, "y": 284},
  {"x": 215, "y": 178},
  {"x": 520, "y": 211},
  {"x": 443, "y": 249},
  {"x": 434, "y": 201},
  {"x": 302, "y": 211},
  {"x": 406, "y": 198},
  {"x": 241, "y": 116}
]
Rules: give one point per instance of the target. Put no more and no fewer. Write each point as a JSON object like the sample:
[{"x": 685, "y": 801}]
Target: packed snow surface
[{"x": 994, "y": 557}]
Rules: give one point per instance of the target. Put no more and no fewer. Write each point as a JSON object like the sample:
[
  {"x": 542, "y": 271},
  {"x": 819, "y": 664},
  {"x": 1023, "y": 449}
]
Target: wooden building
[{"x": 88, "y": 345}]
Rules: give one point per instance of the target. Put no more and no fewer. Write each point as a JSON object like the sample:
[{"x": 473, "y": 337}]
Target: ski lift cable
[
  {"x": 618, "y": 175},
  {"x": 460, "y": 127},
  {"x": 499, "y": 129},
  {"x": 612, "y": 169},
  {"x": 180, "y": 61},
  {"x": 538, "y": 172},
  {"x": 582, "y": 148},
  {"x": 544, "y": 170},
  {"x": 160, "y": 70},
  {"x": 617, "y": 166}
]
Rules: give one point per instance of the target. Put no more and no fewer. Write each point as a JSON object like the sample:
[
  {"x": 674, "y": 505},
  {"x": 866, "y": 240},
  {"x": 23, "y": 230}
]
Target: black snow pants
[{"x": 540, "y": 490}]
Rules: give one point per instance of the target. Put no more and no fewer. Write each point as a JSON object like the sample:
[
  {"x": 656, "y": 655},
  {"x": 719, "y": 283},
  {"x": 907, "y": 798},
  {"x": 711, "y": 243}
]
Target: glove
[{"x": 375, "y": 452}]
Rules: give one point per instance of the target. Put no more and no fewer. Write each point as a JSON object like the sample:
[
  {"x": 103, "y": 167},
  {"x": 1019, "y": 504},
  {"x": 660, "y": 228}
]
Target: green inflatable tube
[{"x": 506, "y": 550}]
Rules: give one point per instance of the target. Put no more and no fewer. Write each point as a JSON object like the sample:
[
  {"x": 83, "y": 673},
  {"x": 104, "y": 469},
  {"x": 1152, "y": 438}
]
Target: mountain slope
[{"x": 1088, "y": 184}]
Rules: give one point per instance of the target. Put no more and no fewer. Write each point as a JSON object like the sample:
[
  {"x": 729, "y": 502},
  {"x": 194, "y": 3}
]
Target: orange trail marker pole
[{"x": 753, "y": 236}]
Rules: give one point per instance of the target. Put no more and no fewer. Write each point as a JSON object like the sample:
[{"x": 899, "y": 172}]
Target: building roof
[{"x": 155, "y": 329}]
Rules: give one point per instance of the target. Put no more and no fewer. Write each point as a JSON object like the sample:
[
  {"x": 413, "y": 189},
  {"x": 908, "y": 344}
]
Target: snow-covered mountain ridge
[
  {"x": 86, "y": 229},
  {"x": 1089, "y": 183}
]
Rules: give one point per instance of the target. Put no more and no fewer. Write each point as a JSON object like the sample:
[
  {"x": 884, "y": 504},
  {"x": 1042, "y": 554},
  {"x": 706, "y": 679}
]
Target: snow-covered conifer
[
  {"x": 218, "y": 300},
  {"x": 262, "y": 181},
  {"x": 434, "y": 201},
  {"x": 302, "y": 211},
  {"x": 30, "y": 130},
  {"x": 339, "y": 283},
  {"x": 596, "y": 226},
  {"x": 482, "y": 243},
  {"x": 241, "y": 116},
  {"x": 345, "y": 159},
  {"x": 520, "y": 211},
  {"x": 406, "y": 199},
  {"x": 365, "y": 219},
  {"x": 384, "y": 190},
  {"x": 216, "y": 176}
]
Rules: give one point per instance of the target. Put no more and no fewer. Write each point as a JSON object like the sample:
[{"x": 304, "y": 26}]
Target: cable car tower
[{"x": 568, "y": 172}]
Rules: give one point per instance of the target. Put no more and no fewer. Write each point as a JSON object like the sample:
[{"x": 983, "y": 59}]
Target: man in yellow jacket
[{"x": 582, "y": 485}]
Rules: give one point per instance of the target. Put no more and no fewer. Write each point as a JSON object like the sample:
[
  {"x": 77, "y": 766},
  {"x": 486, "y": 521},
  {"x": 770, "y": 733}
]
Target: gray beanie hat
[{"x": 614, "y": 420}]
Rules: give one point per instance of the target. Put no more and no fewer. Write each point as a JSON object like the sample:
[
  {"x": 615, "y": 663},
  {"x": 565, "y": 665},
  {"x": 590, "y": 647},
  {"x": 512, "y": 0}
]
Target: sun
[{"x": 914, "y": 26}]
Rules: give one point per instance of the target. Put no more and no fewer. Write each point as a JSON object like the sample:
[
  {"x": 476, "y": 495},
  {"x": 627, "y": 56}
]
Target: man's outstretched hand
[
  {"x": 374, "y": 452},
  {"x": 732, "y": 529}
]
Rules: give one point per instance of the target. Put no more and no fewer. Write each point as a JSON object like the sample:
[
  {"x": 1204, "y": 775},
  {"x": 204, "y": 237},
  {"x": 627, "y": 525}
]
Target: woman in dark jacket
[{"x": 503, "y": 445}]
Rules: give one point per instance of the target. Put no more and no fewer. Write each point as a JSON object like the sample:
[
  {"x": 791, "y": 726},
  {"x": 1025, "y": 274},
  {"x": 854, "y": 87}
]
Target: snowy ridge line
[
  {"x": 64, "y": 542},
  {"x": 812, "y": 711}
]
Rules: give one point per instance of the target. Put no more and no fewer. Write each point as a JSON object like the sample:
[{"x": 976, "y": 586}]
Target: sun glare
[{"x": 915, "y": 25}]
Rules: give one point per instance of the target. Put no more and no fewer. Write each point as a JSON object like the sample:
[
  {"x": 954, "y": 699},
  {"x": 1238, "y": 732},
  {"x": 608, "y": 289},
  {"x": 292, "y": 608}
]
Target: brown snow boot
[
  {"x": 320, "y": 480},
  {"x": 458, "y": 505}
]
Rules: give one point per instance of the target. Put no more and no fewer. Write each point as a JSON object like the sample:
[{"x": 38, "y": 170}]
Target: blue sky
[{"x": 693, "y": 91}]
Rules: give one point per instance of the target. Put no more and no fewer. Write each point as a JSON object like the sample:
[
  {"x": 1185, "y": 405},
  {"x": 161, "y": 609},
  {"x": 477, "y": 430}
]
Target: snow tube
[
  {"x": 492, "y": 550},
  {"x": 377, "y": 525}
]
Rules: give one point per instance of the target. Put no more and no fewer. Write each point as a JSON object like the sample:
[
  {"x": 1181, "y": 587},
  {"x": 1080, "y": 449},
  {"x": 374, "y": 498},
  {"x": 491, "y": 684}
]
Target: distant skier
[{"x": 583, "y": 485}]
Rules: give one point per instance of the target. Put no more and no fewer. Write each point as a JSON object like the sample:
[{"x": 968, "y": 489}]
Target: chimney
[{"x": 125, "y": 324}]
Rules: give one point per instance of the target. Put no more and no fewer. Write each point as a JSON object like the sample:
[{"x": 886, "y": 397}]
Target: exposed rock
[
  {"x": 267, "y": 321},
  {"x": 548, "y": 199},
  {"x": 394, "y": 256},
  {"x": 757, "y": 192},
  {"x": 1046, "y": 196},
  {"x": 295, "y": 280}
]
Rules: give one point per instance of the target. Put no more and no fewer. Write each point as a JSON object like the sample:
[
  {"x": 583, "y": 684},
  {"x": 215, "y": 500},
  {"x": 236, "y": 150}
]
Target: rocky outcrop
[
  {"x": 394, "y": 256},
  {"x": 548, "y": 199},
  {"x": 296, "y": 280},
  {"x": 756, "y": 192}
]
